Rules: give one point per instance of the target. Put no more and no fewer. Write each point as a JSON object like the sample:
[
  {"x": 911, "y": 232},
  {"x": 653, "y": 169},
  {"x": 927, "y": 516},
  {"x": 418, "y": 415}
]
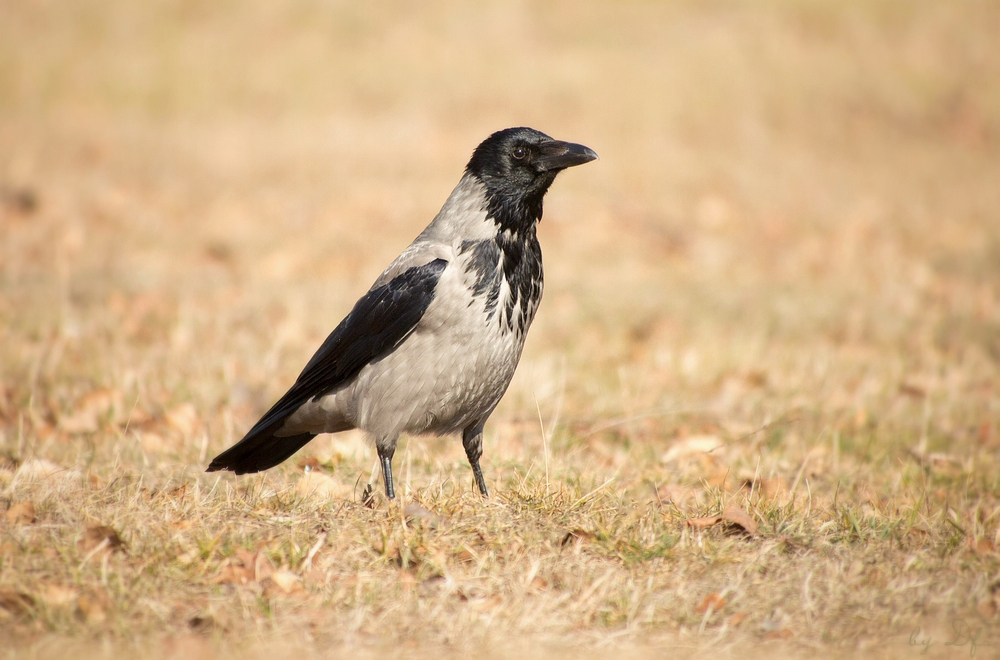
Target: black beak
[{"x": 556, "y": 155}]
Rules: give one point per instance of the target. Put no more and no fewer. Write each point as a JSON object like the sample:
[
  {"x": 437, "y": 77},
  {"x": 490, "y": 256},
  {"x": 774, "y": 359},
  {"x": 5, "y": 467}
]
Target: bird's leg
[
  {"x": 472, "y": 440},
  {"x": 386, "y": 448}
]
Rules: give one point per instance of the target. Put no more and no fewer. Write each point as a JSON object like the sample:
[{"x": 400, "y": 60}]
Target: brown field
[{"x": 758, "y": 414}]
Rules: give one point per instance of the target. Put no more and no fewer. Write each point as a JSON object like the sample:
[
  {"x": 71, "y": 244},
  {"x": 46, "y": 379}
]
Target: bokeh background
[{"x": 789, "y": 250}]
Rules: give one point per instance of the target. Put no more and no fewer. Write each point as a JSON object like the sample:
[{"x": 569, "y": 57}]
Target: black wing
[{"x": 379, "y": 322}]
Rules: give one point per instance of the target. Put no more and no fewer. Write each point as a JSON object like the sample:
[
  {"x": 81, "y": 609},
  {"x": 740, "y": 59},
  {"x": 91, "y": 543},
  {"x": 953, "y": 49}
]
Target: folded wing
[{"x": 381, "y": 320}]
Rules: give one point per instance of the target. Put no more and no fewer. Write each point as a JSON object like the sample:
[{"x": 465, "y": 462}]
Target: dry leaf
[
  {"x": 732, "y": 516},
  {"x": 202, "y": 624},
  {"x": 576, "y": 537},
  {"x": 739, "y": 518},
  {"x": 100, "y": 539},
  {"x": 486, "y": 604},
  {"x": 230, "y": 574},
  {"x": 284, "y": 580},
  {"x": 308, "y": 463},
  {"x": 15, "y": 604},
  {"x": 783, "y": 633},
  {"x": 21, "y": 513},
  {"x": 703, "y": 523},
  {"x": 712, "y": 601},
  {"x": 243, "y": 568},
  {"x": 912, "y": 390},
  {"x": 91, "y": 609},
  {"x": 981, "y": 546}
]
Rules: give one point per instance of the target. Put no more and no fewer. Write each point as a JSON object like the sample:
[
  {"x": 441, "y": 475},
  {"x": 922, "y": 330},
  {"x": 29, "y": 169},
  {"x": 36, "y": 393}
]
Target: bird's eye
[{"x": 519, "y": 153}]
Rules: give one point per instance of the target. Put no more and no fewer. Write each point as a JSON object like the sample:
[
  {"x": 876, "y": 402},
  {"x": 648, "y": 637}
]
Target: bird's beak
[{"x": 556, "y": 155}]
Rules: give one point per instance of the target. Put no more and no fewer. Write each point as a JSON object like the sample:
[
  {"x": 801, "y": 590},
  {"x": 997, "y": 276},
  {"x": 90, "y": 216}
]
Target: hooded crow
[{"x": 433, "y": 345}]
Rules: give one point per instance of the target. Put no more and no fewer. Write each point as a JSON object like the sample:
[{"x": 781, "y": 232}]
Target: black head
[{"x": 517, "y": 166}]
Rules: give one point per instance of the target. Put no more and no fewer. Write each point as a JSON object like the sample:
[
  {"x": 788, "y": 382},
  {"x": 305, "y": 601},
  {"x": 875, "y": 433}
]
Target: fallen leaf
[
  {"x": 783, "y": 633},
  {"x": 465, "y": 555},
  {"x": 16, "y": 604},
  {"x": 703, "y": 523},
  {"x": 486, "y": 604},
  {"x": 981, "y": 546},
  {"x": 230, "y": 574},
  {"x": 243, "y": 568},
  {"x": 21, "y": 513},
  {"x": 712, "y": 601},
  {"x": 92, "y": 609},
  {"x": 737, "y": 619},
  {"x": 284, "y": 580},
  {"x": 731, "y": 516},
  {"x": 912, "y": 390},
  {"x": 576, "y": 537},
  {"x": 202, "y": 624},
  {"x": 308, "y": 463},
  {"x": 100, "y": 539},
  {"x": 257, "y": 563},
  {"x": 739, "y": 518}
]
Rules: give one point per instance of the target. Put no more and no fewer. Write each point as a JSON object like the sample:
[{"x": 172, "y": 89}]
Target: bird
[{"x": 433, "y": 344}]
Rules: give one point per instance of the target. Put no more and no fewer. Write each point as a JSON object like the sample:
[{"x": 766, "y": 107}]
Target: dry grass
[{"x": 778, "y": 292}]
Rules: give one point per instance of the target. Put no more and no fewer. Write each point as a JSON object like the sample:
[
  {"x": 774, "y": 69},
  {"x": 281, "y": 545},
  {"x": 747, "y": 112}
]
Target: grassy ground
[{"x": 757, "y": 415}]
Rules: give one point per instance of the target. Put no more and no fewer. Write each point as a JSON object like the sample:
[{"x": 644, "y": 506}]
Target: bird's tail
[{"x": 260, "y": 448}]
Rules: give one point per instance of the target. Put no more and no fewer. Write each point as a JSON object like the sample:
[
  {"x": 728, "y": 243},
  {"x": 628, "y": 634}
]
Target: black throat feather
[{"x": 513, "y": 255}]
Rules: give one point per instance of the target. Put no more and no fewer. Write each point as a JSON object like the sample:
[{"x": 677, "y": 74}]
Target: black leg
[
  {"x": 385, "y": 452},
  {"x": 472, "y": 440}
]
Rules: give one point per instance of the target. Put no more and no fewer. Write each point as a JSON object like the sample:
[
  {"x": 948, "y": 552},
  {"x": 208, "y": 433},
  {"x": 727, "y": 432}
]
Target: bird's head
[{"x": 517, "y": 166}]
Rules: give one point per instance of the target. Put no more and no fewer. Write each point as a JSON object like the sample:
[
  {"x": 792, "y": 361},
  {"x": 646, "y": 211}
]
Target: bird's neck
[{"x": 521, "y": 268}]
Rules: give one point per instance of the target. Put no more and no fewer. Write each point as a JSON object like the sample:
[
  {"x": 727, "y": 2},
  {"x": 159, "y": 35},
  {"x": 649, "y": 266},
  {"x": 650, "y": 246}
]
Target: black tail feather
[{"x": 258, "y": 452}]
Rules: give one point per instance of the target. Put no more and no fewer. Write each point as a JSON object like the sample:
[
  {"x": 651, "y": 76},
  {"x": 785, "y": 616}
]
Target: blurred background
[
  {"x": 796, "y": 209},
  {"x": 779, "y": 287}
]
